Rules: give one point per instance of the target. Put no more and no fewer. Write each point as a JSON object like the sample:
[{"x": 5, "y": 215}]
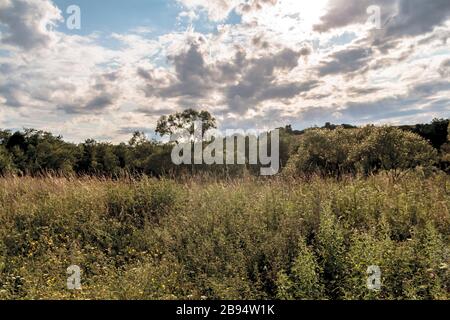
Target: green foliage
[
  {"x": 325, "y": 151},
  {"x": 434, "y": 132},
  {"x": 330, "y": 249},
  {"x": 332, "y": 150},
  {"x": 142, "y": 202},
  {"x": 303, "y": 280},
  {"x": 36, "y": 151},
  {"x": 445, "y": 153},
  {"x": 393, "y": 149},
  {"x": 448, "y": 132},
  {"x": 168, "y": 125},
  {"x": 6, "y": 162},
  {"x": 242, "y": 239},
  {"x": 368, "y": 150},
  {"x": 307, "y": 237}
]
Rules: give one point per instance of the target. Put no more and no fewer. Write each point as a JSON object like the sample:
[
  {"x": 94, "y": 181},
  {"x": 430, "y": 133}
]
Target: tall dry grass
[{"x": 238, "y": 239}]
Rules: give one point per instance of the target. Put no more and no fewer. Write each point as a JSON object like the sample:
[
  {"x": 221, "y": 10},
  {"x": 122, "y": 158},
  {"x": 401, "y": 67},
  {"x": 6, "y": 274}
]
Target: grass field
[{"x": 242, "y": 239}]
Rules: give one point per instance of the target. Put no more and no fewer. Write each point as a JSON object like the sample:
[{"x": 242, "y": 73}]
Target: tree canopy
[
  {"x": 332, "y": 150},
  {"x": 168, "y": 125}
]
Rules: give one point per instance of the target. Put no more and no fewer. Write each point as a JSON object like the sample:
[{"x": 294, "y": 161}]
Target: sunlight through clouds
[{"x": 261, "y": 61}]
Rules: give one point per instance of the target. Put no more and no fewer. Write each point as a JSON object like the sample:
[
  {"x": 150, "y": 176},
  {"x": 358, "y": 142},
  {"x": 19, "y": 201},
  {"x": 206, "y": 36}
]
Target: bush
[
  {"x": 367, "y": 150},
  {"x": 6, "y": 163},
  {"x": 303, "y": 280}
]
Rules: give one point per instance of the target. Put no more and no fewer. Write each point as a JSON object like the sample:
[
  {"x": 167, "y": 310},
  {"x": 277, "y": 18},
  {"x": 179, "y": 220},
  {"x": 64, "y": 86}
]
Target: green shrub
[
  {"x": 303, "y": 280},
  {"x": 367, "y": 150}
]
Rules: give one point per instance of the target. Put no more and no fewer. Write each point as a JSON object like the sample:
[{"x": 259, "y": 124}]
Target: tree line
[{"x": 330, "y": 150}]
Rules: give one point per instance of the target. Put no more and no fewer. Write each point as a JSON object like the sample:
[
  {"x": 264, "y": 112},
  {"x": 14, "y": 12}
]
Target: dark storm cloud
[
  {"x": 385, "y": 62},
  {"x": 356, "y": 92},
  {"x": 98, "y": 103},
  {"x": 342, "y": 13},
  {"x": 289, "y": 90},
  {"x": 144, "y": 74},
  {"x": 430, "y": 88},
  {"x": 193, "y": 75},
  {"x": 102, "y": 95},
  {"x": 417, "y": 17},
  {"x": 245, "y": 82},
  {"x": 401, "y": 106},
  {"x": 346, "y": 61},
  {"x": 399, "y": 17},
  {"x": 420, "y": 99},
  {"x": 380, "y": 109},
  {"x": 258, "y": 81}
]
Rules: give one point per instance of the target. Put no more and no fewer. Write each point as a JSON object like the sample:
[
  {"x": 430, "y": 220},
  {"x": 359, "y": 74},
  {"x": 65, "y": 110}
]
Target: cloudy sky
[{"x": 252, "y": 63}]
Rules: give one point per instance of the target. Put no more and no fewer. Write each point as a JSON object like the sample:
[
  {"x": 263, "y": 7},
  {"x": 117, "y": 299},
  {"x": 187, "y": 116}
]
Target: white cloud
[
  {"x": 190, "y": 15},
  {"x": 217, "y": 10},
  {"x": 28, "y": 22},
  {"x": 272, "y": 69}
]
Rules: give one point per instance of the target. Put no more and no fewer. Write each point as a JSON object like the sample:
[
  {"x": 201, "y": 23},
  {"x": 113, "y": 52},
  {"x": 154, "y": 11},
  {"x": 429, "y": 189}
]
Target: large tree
[{"x": 169, "y": 125}]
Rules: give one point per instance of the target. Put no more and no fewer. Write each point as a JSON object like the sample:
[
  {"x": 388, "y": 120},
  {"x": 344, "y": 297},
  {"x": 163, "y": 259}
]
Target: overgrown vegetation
[
  {"x": 340, "y": 149},
  {"x": 141, "y": 228},
  {"x": 367, "y": 150},
  {"x": 248, "y": 238}
]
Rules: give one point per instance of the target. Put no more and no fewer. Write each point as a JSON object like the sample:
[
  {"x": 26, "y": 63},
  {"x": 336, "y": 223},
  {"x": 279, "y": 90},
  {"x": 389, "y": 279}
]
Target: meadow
[{"x": 245, "y": 238}]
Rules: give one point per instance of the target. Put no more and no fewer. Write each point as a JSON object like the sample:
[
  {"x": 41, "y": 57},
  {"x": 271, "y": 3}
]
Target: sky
[{"x": 254, "y": 64}]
